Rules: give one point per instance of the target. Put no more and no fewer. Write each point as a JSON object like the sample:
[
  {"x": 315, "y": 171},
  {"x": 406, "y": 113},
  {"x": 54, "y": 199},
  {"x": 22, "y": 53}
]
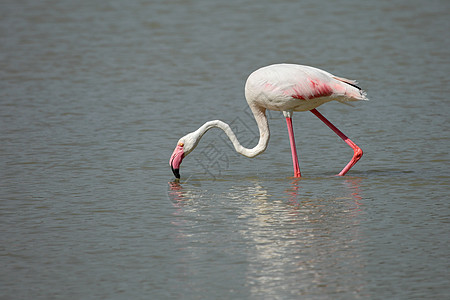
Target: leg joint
[{"x": 358, "y": 153}]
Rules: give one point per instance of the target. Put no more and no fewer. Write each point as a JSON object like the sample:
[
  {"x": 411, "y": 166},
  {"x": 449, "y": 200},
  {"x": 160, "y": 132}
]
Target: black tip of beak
[{"x": 176, "y": 172}]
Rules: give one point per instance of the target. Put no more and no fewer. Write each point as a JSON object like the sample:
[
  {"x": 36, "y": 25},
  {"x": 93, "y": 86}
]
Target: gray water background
[{"x": 95, "y": 94}]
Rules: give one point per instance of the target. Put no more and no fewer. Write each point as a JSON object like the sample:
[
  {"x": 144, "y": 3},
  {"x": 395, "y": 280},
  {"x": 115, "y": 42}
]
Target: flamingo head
[{"x": 184, "y": 146}]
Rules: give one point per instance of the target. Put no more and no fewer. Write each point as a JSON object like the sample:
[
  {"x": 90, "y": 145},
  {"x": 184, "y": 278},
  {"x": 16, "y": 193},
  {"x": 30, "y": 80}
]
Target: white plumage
[{"x": 280, "y": 87}]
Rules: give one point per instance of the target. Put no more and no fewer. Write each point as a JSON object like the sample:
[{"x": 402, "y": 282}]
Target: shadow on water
[
  {"x": 327, "y": 187},
  {"x": 194, "y": 188},
  {"x": 292, "y": 234}
]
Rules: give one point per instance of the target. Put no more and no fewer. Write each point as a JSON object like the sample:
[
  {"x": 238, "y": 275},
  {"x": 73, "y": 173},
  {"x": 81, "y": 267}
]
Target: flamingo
[{"x": 286, "y": 88}]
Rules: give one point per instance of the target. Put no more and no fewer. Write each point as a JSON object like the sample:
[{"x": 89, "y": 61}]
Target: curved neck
[{"x": 264, "y": 134}]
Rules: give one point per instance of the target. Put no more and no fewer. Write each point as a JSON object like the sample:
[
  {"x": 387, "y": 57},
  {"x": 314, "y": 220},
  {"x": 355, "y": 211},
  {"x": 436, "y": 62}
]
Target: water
[{"x": 94, "y": 96}]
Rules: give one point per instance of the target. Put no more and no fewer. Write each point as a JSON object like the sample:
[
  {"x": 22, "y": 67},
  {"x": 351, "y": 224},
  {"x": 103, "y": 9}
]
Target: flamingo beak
[
  {"x": 176, "y": 172},
  {"x": 176, "y": 159}
]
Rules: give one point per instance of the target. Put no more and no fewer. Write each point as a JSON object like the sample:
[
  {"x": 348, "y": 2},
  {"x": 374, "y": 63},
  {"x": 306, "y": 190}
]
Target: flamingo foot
[{"x": 357, "y": 154}]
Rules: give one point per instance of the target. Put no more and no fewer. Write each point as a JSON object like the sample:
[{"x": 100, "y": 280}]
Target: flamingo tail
[{"x": 353, "y": 91}]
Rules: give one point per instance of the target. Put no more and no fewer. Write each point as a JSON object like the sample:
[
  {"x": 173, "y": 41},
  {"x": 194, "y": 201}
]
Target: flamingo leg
[
  {"x": 293, "y": 147},
  {"x": 357, "y": 151}
]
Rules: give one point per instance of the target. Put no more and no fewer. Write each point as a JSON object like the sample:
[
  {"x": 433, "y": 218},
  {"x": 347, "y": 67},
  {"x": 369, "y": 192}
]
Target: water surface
[{"x": 94, "y": 96}]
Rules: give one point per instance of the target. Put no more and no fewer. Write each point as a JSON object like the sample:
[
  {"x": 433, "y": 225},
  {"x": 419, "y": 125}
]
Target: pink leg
[
  {"x": 357, "y": 151},
  {"x": 293, "y": 148}
]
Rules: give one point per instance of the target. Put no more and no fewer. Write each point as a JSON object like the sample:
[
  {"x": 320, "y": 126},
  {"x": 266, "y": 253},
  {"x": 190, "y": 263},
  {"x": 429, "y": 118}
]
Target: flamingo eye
[{"x": 181, "y": 144}]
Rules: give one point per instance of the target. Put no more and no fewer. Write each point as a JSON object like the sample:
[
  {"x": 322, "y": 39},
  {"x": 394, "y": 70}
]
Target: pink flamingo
[{"x": 286, "y": 88}]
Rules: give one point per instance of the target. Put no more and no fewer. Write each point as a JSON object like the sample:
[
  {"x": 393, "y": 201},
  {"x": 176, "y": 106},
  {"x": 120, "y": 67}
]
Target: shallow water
[{"x": 94, "y": 96}]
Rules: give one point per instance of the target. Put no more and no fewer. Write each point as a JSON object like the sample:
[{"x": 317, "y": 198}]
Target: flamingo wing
[
  {"x": 309, "y": 83},
  {"x": 305, "y": 83}
]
